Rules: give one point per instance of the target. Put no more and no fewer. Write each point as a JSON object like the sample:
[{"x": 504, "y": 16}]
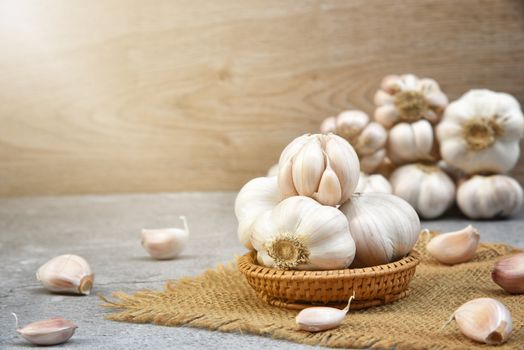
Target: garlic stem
[{"x": 16, "y": 319}]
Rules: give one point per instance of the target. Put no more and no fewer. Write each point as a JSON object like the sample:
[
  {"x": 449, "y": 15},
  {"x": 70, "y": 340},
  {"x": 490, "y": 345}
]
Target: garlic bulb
[
  {"x": 257, "y": 196},
  {"x": 406, "y": 98},
  {"x": 321, "y": 318},
  {"x": 373, "y": 183},
  {"x": 427, "y": 188},
  {"x": 480, "y": 132},
  {"x": 324, "y": 167},
  {"x": 367, "y": 138},
  {"x": 485, "y": 197},
  {"x": 411, "y": 142},
  {"x": 454, "y": 247},
  {"x": 47, "y": 332},
  {"x": 385, "y": 227},
  {"x": 165, "y": 243},
  {"x": 485, "y": 320},
  {"x": 509, "y": 273},
  {"x": 301, "y": 234},
  {"x": 66, "y": 274}
]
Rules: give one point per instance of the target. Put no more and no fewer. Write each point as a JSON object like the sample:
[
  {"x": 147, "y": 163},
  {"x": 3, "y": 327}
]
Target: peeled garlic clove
[
  {"x": 66, "y": 274},
  {"x": 165, "y": 243},
  {"x": 47, "y": 332},
  {"x": 454, "y": 247},
  {"x": 509, "y": 273},
  {"x": 485, "y": 320},
  {"x": 321, "y": 318}
]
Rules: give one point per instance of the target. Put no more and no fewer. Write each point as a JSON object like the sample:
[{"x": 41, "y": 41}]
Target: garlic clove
[
  {"x": 66, "y": 274},
  {"x": 321, "y": 318},
  {"x": 166, "y": 243},
  {"x": 308, "y": 167},
  {"x": 372, "y": 138},
  {"x": 485, "y": 320},
  {"x": 387, "y": 115},
  {"x": 508, "y": 273},
  {"x": 329, "y": 125},
  {"x": 454, "y": 247},
  {"x": 370, "y": 163},
  {"x": 47, "y": 332}
]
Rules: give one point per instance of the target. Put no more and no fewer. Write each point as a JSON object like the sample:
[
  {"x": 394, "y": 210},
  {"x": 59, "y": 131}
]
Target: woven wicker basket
[{"x": 292, "y": 289}]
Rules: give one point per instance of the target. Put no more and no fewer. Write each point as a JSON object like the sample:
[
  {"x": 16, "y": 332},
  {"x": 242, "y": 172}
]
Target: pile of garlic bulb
[
  {"x": 310, "y": 216},
  {"x": 435, "y": 153}
]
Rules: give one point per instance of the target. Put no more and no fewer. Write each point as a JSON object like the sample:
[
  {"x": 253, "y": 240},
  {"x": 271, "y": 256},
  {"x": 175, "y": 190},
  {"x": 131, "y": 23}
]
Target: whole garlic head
[
  {"x": 373, "y": 183},
  {"x": 367, "y": 138},
  {"x": 427, "y": 188},
  {"x": 385, "y": 227},
  {"x": 165, "y": 243},
  {"x": 323, "y": 167},
  {"x": 412, "y": 142},
  {"x": 486, "y": 197},
  {"x": 480, "y": 132},
  {"x": 406, "y": 98},
  {"x": 301, "y": 234}
]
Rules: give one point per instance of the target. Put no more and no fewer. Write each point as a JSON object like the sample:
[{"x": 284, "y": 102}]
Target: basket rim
[{"x": 247, "y": 265}]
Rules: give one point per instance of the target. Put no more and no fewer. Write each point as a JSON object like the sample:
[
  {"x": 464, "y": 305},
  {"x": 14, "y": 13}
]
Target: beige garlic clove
[
  {"x": 454, "y": 247},
  {"x": 321, "y": 318},
  {"x": 509, "y": 273},
  {"x": 165, "y": 243},
  {"x": 485, "y": 320},
  {"x": 47, "y": 332},
  {"x": 66, "y": 274}
]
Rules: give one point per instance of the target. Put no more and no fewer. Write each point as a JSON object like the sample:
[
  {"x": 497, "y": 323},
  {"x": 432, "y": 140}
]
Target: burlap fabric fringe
[{"x": 221, "y": 299}]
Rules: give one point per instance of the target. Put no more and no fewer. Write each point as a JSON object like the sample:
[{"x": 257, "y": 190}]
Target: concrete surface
[{"x": 105, "y": 230}]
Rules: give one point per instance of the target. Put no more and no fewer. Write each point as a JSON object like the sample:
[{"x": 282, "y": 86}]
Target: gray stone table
[{"x": 106, "y": 230}]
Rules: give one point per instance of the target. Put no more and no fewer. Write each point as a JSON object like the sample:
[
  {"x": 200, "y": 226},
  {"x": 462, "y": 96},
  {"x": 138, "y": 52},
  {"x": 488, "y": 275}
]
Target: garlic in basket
[
  {"x": 324, "y": 167},
  {"x": 66, "y": 274},
  {"x": 480, "y": 132},
  {"x": 321, "y": 318},
  {"x": 385, "y": 227},
  {"x": 373, "y": 183},
  {"x": 454, "y": 247},
  {"x": 301, "y": 234},
  {"x": 485, "y": 197},
  {"x": 47, "y": 332},
  {"x": 165, "y": 243},
  {"x": 427, "y": 188},
  {"x": 257, "y": 196}
]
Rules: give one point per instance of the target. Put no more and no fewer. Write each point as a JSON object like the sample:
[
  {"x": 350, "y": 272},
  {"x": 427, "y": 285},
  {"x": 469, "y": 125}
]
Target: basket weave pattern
[{"x": 294, "y": 289}]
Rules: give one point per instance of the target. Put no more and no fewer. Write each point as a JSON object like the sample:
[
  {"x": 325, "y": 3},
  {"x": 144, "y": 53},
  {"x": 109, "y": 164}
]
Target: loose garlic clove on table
[
  {"x": 454, "y": 247},
  {"x": 66, "y": 274},
  {"x": 509, "y": 273},
  {"x": 47, "y": 332},
  {"x": 165, "y": 243},
  {"x": 321, "y": 318}
]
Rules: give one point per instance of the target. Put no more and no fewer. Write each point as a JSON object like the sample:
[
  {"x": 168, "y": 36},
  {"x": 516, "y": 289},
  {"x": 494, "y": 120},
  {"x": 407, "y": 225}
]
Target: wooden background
[{"x": 130, "y": 96}]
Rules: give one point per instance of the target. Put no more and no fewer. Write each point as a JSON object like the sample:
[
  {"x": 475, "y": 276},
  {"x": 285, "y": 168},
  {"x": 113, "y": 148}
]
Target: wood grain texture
[{"x": 125, "y": 96}]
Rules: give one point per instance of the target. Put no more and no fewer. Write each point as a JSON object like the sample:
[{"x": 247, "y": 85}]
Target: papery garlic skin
[
  {"x": 485, "y": 320},
  {"x": 257, "y": 196},
  {"x": 455, "y": 247},
  {"x": 368, "y": 138},
  {"x": 301, "y": 234},
  {"x": 427, "y": 188},
  {"x": 323, "y": 167},
  {"x": 373, "y": 183},
  {"x": 406, "y": 98},
  {"x": 486, "y": 197},
  {"x": 47, "y": 332},
  {"x": 385, "y": 227},
  {"x": 165, "y": 243},
  {"x": 411, "y": 142},
  {"x": 66, "y": 274},
  {"x": 508, "y": 273},
  {"x": 480, "y": 132}
]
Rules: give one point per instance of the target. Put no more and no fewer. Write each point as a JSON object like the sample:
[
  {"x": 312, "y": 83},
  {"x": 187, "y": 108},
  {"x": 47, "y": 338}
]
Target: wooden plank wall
[{"x": 130, "y": 96}]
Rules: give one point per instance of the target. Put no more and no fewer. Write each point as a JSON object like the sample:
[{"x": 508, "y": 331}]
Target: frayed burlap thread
[{"x": 220, "y": 299}]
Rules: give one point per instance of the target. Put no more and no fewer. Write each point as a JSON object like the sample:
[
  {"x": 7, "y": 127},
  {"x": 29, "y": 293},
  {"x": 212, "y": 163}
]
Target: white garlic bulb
[
  {"x": 301, "y": 234},
  {"x": 480, "y": 132},
  {"x": 406, "y": 98},
  {"x": 385, "y": 227},
  {"x": 411, "y": 142},
  {"x": 324, "y": 167},
  {"x": 427, "y": 188},
  {"x": 165, "y": 243},
  {"x": 455, "y": 247},
  {"x": 257, "y": 196},
  {"x": 66, "y": 274},
  {"x": 373, "y": 183},
  {"x": 508, "y": 273},
  {"x": 47, "y": 332},
  {"x": 485, "y": 320},
  {"x": 367, "y": 138},
  {"x": 485, "y": 197},
  {"x": 321, "y": 318}
]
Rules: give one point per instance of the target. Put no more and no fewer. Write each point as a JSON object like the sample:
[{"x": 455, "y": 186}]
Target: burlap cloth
[{"x": 221, "y": 299}]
